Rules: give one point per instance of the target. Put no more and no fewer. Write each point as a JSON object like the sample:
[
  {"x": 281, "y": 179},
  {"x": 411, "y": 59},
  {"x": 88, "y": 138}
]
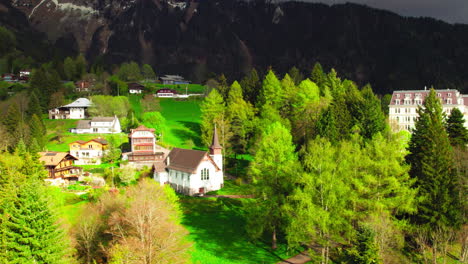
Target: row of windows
[
  {"x": 406, "y": 119},
  {"x": 419, "y": 95}
]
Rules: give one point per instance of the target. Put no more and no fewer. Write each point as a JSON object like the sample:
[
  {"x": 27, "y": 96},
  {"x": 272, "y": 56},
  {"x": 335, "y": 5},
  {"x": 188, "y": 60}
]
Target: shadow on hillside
[
  {"x": 194, "y": 134},
  {"x": 218, "y": 227}
]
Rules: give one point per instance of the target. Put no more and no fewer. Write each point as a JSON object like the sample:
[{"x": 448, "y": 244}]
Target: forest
[{"x": 324, "y": 171}]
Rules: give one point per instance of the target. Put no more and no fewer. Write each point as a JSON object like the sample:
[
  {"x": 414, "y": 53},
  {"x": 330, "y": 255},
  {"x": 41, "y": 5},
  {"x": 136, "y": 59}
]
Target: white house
[
  {"x": 166, "y": 93},
  {"x": 135, "y": 88},
  {"x": 98, "y": 125},
  {"x": 192, "y": 171},
  {"x": 404, "y": 104},
  {"x": 76, "y": 110},
  {"x": 144, "y": 150}
]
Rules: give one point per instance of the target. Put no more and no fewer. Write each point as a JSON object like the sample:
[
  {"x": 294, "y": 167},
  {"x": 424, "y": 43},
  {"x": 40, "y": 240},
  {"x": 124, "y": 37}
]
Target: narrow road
[{"x": 231, "y": 196}]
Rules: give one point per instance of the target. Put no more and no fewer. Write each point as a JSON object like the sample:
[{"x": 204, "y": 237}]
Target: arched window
[{"x": 205, "y": 174}]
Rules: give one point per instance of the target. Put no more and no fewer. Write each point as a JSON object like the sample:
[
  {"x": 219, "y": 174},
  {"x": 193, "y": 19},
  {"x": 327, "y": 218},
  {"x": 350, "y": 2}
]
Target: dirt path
[{"x": 300, "y": 258}]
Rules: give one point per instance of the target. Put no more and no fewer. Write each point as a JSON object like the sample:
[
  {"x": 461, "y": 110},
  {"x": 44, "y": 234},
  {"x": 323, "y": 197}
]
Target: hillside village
[{"x": 239, "y": 167}]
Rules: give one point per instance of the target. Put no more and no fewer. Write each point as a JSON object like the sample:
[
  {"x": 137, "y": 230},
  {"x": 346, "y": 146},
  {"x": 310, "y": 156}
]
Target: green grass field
[
  {"x": 182, "y": 122},
  {"x": 217, "y": 226},
  {"x": 135, "y": 102}
]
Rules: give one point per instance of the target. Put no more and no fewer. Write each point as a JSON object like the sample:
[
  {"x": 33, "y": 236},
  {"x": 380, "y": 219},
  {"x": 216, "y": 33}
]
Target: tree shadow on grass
[
  {"x": 218, "y": 227},
  {"x": 193, "y": 134}
]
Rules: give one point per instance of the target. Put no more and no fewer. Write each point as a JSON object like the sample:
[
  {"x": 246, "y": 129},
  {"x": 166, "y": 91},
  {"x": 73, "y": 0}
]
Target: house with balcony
[
  {"x": 89, "y": 152},
  {"x": 60, "y": 165},
  {"x": 144, "y": 150},
  {"x": 76, "y": 110}
]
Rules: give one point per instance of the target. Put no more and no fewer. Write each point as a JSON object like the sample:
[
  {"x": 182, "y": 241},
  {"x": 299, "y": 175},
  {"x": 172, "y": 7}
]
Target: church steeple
[{"x": 215, "y": 148}]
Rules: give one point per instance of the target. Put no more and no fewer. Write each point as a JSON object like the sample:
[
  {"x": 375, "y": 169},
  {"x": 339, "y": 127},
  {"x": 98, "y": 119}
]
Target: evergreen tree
[
  {"x": 223, "y": 87},
  {"x": 432, "y": 166},
  {"x": 364, "y": 250},
  {"x": 69, "y": 69},
  {"x": 241, "y": 115},
  {"x": 251, "y": 87},
  {"x": 272, "y": 92},
  {"x": 213, "y": 110},
  {"x": 148, "y": 72},
  {"x": 80, "y": 66},
  {"x": 34, "y": 107},
  {"x": 326, "y": 126},
  {"x": 38, "y": 131},
  {"x": 29, "y": 227},
  {"x": 273, "y": 172},
  {"x": 456, "y": 129},
  {"x": 296, "y": 75},
  {"x": 319, "y": 77},
  {"x": 12, "y": 118}
]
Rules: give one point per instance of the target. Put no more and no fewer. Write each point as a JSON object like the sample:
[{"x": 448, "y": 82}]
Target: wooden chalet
[{"x": 60, "y": 165}]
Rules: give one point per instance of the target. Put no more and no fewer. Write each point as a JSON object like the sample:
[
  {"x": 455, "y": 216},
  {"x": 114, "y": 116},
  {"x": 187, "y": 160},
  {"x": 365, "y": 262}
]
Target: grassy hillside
[{"x": 182, "y": 123}]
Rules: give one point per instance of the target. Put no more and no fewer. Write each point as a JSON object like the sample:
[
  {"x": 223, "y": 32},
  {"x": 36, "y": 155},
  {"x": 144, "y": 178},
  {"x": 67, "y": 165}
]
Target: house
[
  {"x": 24, "y": 75},
  {"x": 83, "y": 86},
  {"x": 192, "y": 171},
  {"x": 404, "y": 104},
  {"x": 76, "y": 110},
  {"x": 9, "y": 77},
  {"x": 60, "y": 165},
  {"x": 88, "y": 152},
  {"x": 144, "y": 150},
  {"x": 135, "y": 88},
  {"x": 98, "y": 125},
  {"x": 167, "y": 93},
  {"x": 173, "y": 79}
]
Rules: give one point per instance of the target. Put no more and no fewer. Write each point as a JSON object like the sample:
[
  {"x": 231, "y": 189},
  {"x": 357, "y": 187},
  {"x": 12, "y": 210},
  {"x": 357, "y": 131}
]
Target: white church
[{"x": 192, "y": 172}]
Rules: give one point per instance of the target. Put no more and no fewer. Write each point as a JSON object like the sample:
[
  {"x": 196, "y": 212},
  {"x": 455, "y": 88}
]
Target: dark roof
[
  {"x": 135, "y": 86},
  {"x": 83, "y": 124},
  {"x": 185, "y": 160}
]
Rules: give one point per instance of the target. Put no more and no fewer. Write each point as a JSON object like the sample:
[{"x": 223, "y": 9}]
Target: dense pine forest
[{"x": 311, "y": 165}]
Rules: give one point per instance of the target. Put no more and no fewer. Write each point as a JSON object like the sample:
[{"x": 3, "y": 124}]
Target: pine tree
[
  {"x": 273, "y": 172},
  {"x": 148, "y": 72},
  {"x": 29, "y": 228},
  {"x": 12, "y": 118},
  {"x": 213, "y": 110},
  {"x": 456, "y": 129},
  {"x": 251, "y": 87},
  {"x": 296, "y": 75},
  {"x": 38, "y": 131},
  {"x": 34, "y": 107},
  {"x": 69, "y": 69},
  {"x": 432, "y": 165},
  {"x": 80, "y": 66},
  {"x": 272, "y": 93},
  {"x": 223, "y": 87},
  {"x": 319, "y": 77}
]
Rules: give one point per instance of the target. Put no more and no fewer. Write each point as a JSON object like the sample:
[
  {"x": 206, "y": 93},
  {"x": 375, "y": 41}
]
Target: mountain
[{"x": 196, "y": 38}]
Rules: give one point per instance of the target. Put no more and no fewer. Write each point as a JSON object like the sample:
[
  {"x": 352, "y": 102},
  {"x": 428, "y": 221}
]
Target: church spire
[{"x": 215, "y": 147}]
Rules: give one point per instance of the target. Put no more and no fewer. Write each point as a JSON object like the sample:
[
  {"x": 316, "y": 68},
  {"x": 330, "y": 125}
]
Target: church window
[{"x": 205, "y": 174}]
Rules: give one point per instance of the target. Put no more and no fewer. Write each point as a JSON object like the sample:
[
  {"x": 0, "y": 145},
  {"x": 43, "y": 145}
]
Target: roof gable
[
  {"x": 51, "y": 158},
  {"x": 186, "y": 160}
]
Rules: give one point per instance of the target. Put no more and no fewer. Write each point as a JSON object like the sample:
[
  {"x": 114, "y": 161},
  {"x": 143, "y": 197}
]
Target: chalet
[
  {"x": 25, "y": 73},
  {"x": 88, "y": 152},
  {"x": 192, "y": 172},
  {"x": 76, "y": 110},
  {"x": 404, "y": 104},
  {"x": 83, "y": 86},
  {"x": 166, "y": 93},
  {"x": 98, "y": 125},
  {"x": 135, "y": 88},
  {"x": 60, "y": 165},
  {"x": 173, "y": 79},
  {"x": 9, "y": 77},
  {"x": 144, "y": 150}
]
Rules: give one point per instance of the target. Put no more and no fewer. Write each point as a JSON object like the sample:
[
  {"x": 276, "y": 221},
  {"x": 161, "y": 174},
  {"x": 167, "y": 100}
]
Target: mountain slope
[{"x": 195, "y": 38}]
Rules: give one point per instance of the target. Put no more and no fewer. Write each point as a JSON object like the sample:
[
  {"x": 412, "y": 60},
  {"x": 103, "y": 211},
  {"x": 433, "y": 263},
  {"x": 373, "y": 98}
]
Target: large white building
[
  {"x": 76, "y": 110},
  {"x": 192, "y": 171},
  {"x": 98, "y": 125},
  {"x": 404, "y": 104}
]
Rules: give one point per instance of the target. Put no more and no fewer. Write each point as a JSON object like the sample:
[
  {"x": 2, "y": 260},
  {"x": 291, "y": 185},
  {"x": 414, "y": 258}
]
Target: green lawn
[
  {"x": 135, "y": 102},
  {"x": 217, "y": 227},
  {"x": 182, "y": 122},
  {"x": 232, "y": 188}
]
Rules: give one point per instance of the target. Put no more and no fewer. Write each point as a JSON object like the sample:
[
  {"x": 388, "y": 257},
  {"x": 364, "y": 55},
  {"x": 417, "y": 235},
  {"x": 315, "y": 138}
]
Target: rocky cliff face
[{"x": 196, "y": 38}]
